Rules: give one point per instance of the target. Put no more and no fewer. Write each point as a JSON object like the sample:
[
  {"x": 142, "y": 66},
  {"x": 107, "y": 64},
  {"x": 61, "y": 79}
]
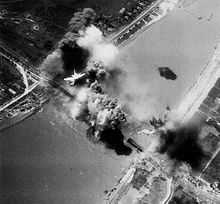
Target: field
[
  {"x": 61, "y": 10},
  {"x": 33, "y": 28},
  {"x": 212, "y": 174}
]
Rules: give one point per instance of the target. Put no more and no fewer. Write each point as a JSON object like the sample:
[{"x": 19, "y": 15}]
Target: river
[{"x": 184, "y": 41}]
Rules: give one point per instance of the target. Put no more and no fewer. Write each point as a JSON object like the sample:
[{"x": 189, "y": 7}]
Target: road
[
  {"x": 27, "y": 91},
  {"x": 170, "y": 191},
  {"x": 210, "y": 161},
  {"x": 116, "y": 196},
  {"x": 156, "y": 3},
  {"x": 31, "y": 88}
]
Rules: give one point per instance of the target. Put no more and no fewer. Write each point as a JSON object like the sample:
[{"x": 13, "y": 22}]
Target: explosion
[
  {"x": 181, "y": 143},
  {"x": 73, "y": 56},
  {"x": 51, "y": 67},
  {"x": 104, "y": 117},
  {"x": 87, "y": 54},
  {"x": 92, "y": 39}
]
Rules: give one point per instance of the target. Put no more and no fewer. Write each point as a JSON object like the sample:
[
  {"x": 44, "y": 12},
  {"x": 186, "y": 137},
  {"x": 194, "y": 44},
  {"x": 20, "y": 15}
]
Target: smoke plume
[
  {"x": 63, "y": 61},
  {"x": 135, "y": 95},
  {"x": 114, "y": 139},
  {"x": 78, "y": 106},
  {"x": 51, "y": 67},
  {"x": 180, "y": 143},
  {"x": 92, "y": 39},
  {"x": 74, "y": 57},
  {"x": 104, "y": 117},
  {"x": 87, "y": 101}
]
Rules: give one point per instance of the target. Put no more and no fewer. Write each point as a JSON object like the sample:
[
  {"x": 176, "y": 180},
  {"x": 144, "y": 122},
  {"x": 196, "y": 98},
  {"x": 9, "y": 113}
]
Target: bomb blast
[
  {"x": 181, "y": 143},
  {"x": 87, "y": 52}
]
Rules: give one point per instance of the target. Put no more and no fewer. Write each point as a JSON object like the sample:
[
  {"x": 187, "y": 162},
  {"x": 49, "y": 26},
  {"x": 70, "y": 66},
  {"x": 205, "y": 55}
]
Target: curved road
[{"x": 170, "y": 191}]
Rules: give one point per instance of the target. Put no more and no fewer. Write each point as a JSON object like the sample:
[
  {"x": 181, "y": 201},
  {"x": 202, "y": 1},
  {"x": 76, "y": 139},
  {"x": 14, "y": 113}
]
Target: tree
[{"x": 81, "y": 20}]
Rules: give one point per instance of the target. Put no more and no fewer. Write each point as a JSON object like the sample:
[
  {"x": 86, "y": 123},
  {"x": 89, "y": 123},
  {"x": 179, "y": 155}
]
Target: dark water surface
[{"x": 43, "y": 160}]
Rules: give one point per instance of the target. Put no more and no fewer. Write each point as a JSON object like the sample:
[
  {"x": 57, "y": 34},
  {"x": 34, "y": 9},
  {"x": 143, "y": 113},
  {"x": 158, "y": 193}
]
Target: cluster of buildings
[
  {"x": 144, "y": 21},
  {"x": 143, "y": 182},
  {"x": 201, "y": 187},
  {"x": 14, "y": 79},
  {"x": 23, "y": 107},
  {"x": 125, "y": 16},
  {"x": 20, "y": 94},
  {"x": 146, "y": 181},
  {"x": 210, "y": 108},
  {"x": 11, "y": 83}
]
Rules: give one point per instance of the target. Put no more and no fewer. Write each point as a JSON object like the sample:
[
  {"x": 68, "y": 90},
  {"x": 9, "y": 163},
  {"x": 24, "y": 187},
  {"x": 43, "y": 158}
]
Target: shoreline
[
  {"x": 200, "y": 89},
  {"x": 8, "y": 123},
  {"x": 165, "y": 6},
  {"x": 21, "y": 117}
]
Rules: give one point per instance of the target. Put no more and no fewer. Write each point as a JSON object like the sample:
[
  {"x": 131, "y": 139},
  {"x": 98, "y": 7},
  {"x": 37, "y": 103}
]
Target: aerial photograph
[{"x": 109, "y": 101}]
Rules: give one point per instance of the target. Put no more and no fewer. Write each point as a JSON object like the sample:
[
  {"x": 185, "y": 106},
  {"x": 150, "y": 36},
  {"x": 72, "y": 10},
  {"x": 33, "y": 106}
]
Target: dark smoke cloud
[
  {"x": 181, "y": 143},
  {"x": 111, "y": 138},
  {"x": 74, "y": 57},
  {"x": 68, "y": 55},
  {"x": 63, "y": 61},
  {"x": 81, "y": 20},
  {"x": 87, "y": 51},
  {"x": 114, "y": 139}
]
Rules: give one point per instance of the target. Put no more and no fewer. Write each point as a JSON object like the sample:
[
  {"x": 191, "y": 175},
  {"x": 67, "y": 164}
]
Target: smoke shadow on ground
[
  {"x": 74, "y": 58},
  {"x": 114, "y": 139},
  {"x": 182, "y": 144}
]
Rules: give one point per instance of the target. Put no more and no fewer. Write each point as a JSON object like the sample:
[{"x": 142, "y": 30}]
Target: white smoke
[
  {"x": 79, "y": 104},
  {"x": 168, "y": 5},
  {"x": 103, "y": 117},
  {"x": 136, "y": 96},
  {"x": 51, "y": 66},
  {"x": 92, "y": 39},
  {"x": 87, "y": 104}
]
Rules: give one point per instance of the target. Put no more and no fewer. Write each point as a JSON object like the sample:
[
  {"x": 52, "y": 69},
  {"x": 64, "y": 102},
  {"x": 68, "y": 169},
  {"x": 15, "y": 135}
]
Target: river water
[
  {"x": 184, "y": 41},
  {"x": 45, "y": 160}
]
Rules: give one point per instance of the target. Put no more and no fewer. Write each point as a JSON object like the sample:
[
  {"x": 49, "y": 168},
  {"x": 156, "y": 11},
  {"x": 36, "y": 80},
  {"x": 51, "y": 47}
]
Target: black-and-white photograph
[{"x": 109, "y": 101}]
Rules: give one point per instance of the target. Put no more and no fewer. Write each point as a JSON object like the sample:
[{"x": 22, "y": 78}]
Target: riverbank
[
  {"x": 175, "y": 42},
  {"x": 200, "y": 89}
]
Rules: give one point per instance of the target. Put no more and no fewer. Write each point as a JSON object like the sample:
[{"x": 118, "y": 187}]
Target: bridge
[{"x": 26, "y": 73}]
